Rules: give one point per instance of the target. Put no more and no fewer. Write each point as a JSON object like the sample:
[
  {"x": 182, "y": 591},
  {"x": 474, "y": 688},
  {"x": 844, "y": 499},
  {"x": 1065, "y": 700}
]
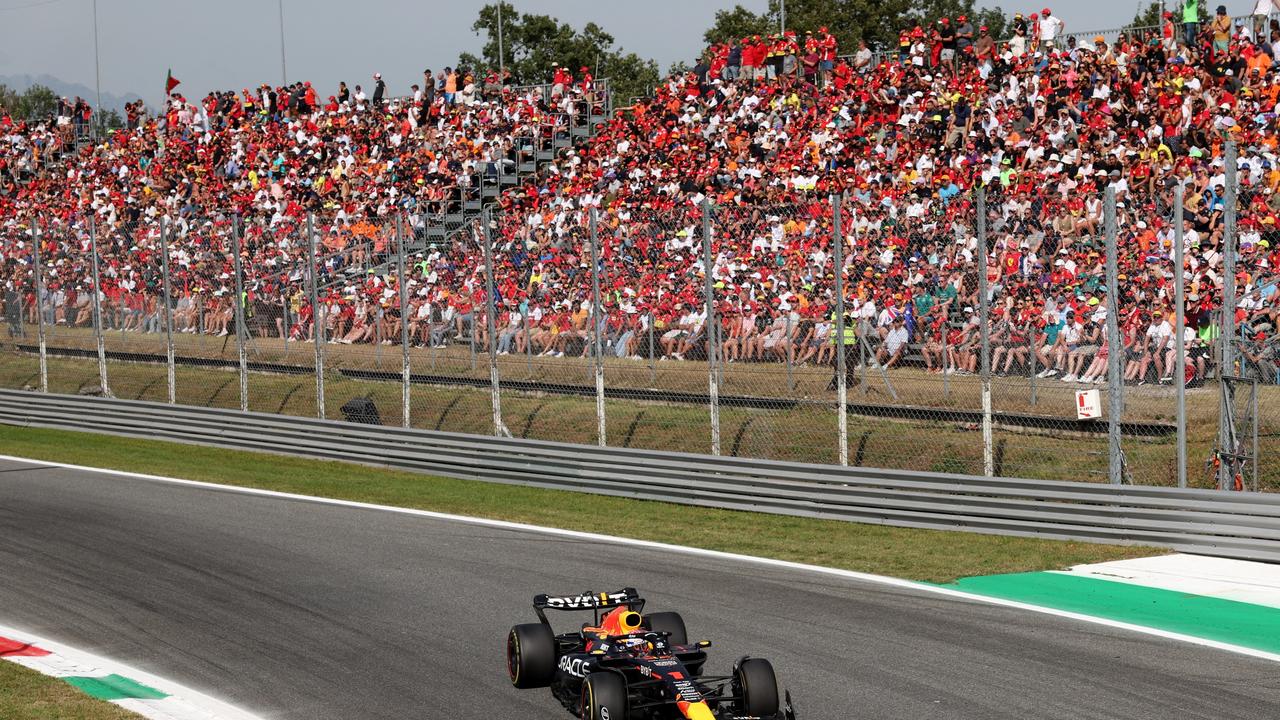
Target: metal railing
[{"x": 1240, "y": 525}]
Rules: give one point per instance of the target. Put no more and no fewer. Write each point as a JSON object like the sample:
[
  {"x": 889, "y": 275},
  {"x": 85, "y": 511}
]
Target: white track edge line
[
  {"x": 210, "y": 705},
  {"x": 667, "y": 547}
]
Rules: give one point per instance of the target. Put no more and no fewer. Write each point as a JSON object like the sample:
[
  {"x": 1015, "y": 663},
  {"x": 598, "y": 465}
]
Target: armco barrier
[{"x": 1230, "y": 524}]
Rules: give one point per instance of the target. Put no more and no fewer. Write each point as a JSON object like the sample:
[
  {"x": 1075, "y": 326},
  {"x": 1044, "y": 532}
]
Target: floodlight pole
[
  {"x": 502, "y": 67},
  {"x": 97, "y": 73}
]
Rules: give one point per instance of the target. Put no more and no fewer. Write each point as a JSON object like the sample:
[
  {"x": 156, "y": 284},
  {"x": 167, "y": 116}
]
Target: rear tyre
[
  {"x": 604, "y": 697},
  {"x": 756, "y": 684},
  {"x": 531, "y": 656},
  {"x": 668, "y": 622}
]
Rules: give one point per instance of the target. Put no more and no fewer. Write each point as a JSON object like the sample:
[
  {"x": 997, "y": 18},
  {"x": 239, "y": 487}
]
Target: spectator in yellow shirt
[{"x": 1221, "y": 27}]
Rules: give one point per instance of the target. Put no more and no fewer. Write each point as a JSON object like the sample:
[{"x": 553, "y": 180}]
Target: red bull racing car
[{"x": 630, "y": 665}]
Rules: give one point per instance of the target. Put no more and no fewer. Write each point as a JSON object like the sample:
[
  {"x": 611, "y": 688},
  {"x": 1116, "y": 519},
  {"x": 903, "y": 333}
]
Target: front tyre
[
  {"x": 531, "y": 656},
  {"x": 755, "y": 683},
  {"x": 670, "y": 623},
  {"x": 604, "y": 697}
]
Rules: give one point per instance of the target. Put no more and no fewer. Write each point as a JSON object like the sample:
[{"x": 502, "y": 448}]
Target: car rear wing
[{"x": 595, "y": 601}]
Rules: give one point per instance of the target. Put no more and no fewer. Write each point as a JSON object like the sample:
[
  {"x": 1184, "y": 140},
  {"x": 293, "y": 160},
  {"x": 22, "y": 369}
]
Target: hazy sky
[{"x": 236, "y": 43}]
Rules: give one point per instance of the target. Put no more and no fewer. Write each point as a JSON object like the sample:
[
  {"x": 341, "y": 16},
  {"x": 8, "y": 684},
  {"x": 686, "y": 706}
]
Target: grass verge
[
  {"x": 27, "y": 695},
  {"x": 929, "y": 555}
]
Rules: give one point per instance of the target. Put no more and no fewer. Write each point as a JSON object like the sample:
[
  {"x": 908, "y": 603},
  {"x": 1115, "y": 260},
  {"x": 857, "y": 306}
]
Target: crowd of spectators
[
  {"x": 763, "y": 132},
  {"x": 1045, "y": 125},
  {"x": 267, "y": 158}
]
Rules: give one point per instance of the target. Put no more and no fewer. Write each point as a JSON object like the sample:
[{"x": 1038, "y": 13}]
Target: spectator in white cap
[{"x": 379, "y": 90}]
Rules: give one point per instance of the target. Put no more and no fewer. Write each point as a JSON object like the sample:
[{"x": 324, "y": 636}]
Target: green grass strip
[
  {"x": 1228, "y": 621},
  {"x": 115, "y": 687},
  {"x": 932, "y": 555},
  {"x": 28, "y": 695}
]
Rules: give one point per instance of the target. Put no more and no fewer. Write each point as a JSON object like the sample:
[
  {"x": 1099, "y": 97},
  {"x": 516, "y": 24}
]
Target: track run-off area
[{"x": 294, "y": 608}]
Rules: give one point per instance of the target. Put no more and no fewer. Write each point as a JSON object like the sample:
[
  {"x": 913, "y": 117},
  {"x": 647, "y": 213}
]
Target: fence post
[
  {"x": 984, "y": 320},
  {"x": 713, "y": 384},
  {"x": 528, "y": 343},
  {"x": 239, "y": 314},
  {"x": 471, "y": 339},
  {"x": 791, "y": 352},
  {"x": 863, "y": 360},
  {"x": 842, "y": 348},
  {"x": 1227, "y": 447},
  {"x": 1115, "y": 384},
  {"x": 598, "y": 321},
  {"x": 1031, "y": 360},
  {"x": 1180, "y": 321},
  {"x": 404, "y": 322},
  {"x": 490, "y": 311},
  {"x": 39, "y": 282},
  {"x": 946, "y": 330},
  {"x": 653, "y": 369},
  {"x": 97, "y": 306},
  {"x": 946, "y": 355},
  {"x": 170, "y": 372},
  {"x": 317, "y": 315},
  {"x": 285, "y": 318}
]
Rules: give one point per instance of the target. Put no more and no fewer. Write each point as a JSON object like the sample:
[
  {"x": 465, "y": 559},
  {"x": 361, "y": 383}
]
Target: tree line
[{"x": 41, "y": 103}]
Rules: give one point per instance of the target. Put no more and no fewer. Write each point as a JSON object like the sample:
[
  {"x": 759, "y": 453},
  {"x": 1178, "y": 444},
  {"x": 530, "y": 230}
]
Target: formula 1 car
[{"x": 625, "y": 665}]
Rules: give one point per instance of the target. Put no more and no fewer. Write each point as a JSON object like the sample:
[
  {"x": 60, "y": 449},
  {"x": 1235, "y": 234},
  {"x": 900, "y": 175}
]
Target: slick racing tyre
[
  {"x": 668, "y": 622},
  {"x": 531, "y": 656},
  {"x": 755, "y": 683},
  {"x": 604, "y": 697}
]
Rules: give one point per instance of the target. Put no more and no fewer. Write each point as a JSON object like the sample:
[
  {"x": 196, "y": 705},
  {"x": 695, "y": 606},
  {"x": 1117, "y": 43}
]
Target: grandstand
[{"x": 764, "y": 131}]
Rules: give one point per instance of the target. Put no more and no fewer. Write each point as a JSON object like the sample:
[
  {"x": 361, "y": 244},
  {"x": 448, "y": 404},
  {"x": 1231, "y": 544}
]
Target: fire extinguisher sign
[{"x": 1088, "y": 405}]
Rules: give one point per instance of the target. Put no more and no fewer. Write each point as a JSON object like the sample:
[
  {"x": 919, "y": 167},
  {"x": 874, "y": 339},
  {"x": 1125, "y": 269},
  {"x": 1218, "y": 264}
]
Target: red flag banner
[{"x": 170, "y": 83}]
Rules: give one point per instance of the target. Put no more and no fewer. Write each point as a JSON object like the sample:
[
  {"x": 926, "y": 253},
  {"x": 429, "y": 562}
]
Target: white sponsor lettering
[
  {"x": 585, "y": 601},
  {"x": 576, "y": 667},
  {"x": 687, "y": 691}
]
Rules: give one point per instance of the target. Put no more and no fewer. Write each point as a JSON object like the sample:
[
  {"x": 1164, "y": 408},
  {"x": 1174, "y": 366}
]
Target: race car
[{"x": 629, "y": 665}]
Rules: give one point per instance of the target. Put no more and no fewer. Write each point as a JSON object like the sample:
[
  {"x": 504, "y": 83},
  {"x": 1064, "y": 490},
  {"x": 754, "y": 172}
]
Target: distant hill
[{"x": 71, "y": 90}]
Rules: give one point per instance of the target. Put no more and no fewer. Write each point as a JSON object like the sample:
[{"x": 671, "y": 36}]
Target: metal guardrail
[{"x": 1228, "y": 524}]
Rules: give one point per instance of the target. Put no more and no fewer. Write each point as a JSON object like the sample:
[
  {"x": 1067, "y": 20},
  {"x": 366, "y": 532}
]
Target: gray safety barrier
[{"x": 1228, "y": 524}]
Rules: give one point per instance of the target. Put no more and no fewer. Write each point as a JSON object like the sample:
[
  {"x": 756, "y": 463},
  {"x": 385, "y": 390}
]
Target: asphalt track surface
[{"x": 294, "y": 609}]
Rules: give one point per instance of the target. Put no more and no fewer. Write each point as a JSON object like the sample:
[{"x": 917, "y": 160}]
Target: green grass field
[{"x": 28, "y": 695}]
